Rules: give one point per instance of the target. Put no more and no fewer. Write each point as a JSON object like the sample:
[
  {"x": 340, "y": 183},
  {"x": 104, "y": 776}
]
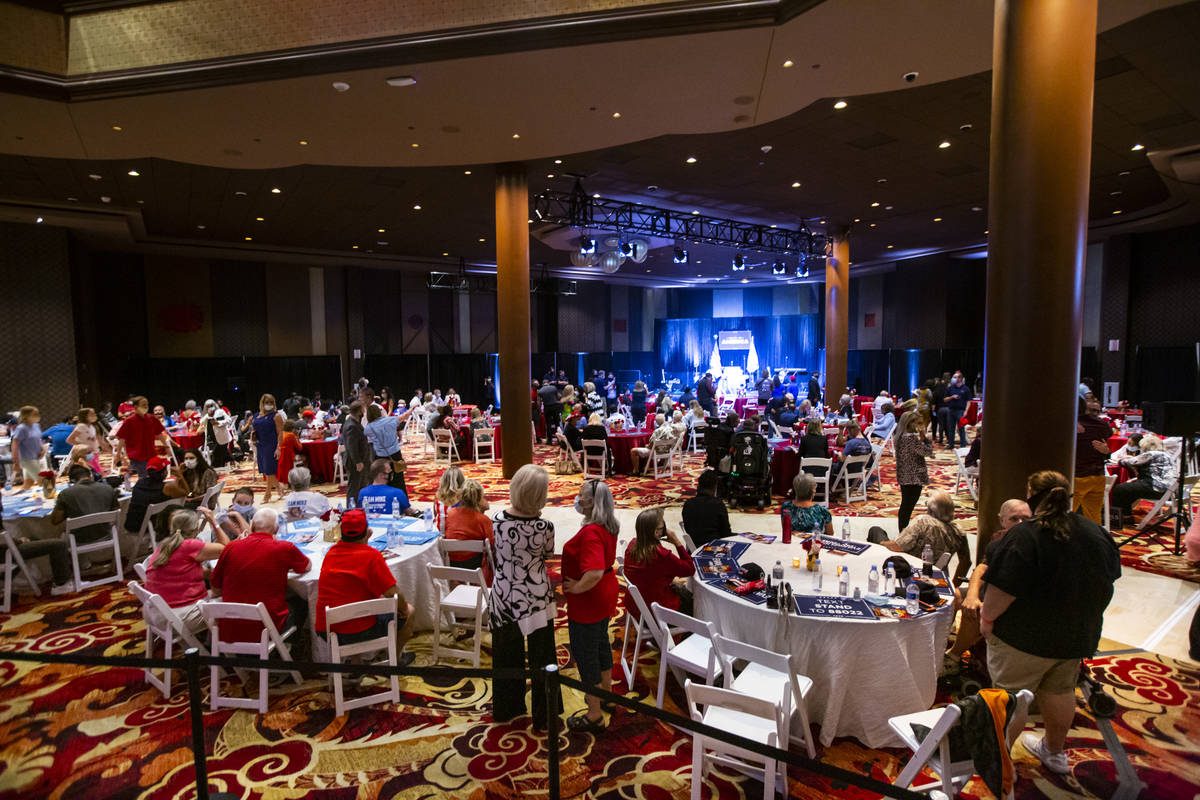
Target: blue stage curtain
[{"x": 685, "y": 345}]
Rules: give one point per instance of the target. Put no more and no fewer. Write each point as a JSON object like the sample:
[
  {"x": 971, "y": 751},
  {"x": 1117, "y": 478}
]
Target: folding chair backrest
[
  {"x": 99, "y": 518},
  {"x": 215, "y": 611},
  {"x": 335, "y": 615},
  {"x": 456, "y": 575},
  {"x": 643, "y": 612},
  {"x": 827, "y": 463},
  {"x": 855, "y": 465},
  {"x": 210, "y": 497},
  {"x": 166, "y": 615},
  {"x": 699, "y": 695},
  {"x": 730, "y": 650},
  {"x": 675, "y": 621}
]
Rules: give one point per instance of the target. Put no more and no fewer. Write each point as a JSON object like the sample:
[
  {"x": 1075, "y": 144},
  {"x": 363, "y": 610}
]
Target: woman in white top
[{"x": 85, "y": 435}]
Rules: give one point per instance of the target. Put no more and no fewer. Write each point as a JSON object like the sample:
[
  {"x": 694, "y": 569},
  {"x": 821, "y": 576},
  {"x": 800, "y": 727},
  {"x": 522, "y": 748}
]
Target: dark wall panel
[
  {"x": 239, "y": 308},
  {"x": 1165, "y": 287}
]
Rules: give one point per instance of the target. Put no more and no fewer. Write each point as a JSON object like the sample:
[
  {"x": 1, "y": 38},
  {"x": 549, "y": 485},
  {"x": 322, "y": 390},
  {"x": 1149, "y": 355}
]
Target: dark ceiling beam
[{"x": 674, "y": 19}]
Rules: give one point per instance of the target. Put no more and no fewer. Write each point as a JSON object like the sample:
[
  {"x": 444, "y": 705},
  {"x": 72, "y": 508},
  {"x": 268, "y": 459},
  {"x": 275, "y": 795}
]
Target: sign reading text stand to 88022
[{"x": 733, "y": 340}]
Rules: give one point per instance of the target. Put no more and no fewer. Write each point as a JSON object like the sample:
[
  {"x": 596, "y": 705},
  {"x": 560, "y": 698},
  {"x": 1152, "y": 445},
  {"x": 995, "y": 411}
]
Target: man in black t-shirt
[
  {"x": 704, "y": 516},
  {"x": 1049, "y": 581},
  {"x": 705, "y": 393}
]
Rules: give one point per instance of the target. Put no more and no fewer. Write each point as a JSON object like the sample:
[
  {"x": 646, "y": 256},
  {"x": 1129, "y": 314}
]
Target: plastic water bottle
[
  {"x": 395, "y": 514},
  {"x": 816, "y": 577},
  {"x": 777, "y": 573},
  {"x": 125, "y": 485},
  {"x": 428, "y": 517},
  {"x": 889, "y": 580},
  {"x": 873, "y": 580},
  {"x": 927, "y": 560},
  {"x": 912, "y": 602},
  {"x": 846, "y": 529},
  {"x": 844, "y": 581}
]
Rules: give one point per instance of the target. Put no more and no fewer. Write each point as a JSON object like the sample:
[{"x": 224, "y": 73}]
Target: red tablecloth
[
  {"x": 320, "y": 454},
  {"x": 785, "y": 464},
  {"x": 188, "y": 441},
  {"x": 861, "y": 403},
  {"x": 972, "y": 414},
  {"x": 1115, "y": 443},
  {"x": 622, "y": 445},
  {"x": 496, "y": 443}
]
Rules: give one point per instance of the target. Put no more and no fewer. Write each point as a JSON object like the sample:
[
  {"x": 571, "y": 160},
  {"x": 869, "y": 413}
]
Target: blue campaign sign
[
  {"x": 835, "y": 606},
  {"x": 733, "y": 340},
  {"x": 844, "y": 546}
]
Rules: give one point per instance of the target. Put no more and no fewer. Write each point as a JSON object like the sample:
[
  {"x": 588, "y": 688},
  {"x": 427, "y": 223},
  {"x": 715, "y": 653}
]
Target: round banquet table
[
  {"x": 412, "y": 578},
  {"x": 188, "y": 441},
  {"x": 622, "y": 444},
  {"x": 496, "y": 445},
  {"x": 863, "y": 671},
  {"x": 1115, "y": 443},
  {"x": 320, "y": 454}
]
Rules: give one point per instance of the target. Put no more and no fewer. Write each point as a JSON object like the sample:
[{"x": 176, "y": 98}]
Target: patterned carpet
[{"x": 76, "y": 732}]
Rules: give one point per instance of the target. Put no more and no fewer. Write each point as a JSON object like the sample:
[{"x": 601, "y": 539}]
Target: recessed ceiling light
[
  {"x": 105, "y": 198},
  {"x": 249, "y": 238},
  {"x": 96, "y": 177},
  {"x": 840, "y": 104},
  {"x": 382, "y": 244},
  {"x": 558, "y": 161},
  {"x": 38, "y": 220},
  {"x": 699, "y": 262},
  {"x": 417, "y": 207},
  {"x": 483, "y": 240},
  {"x": 795, "y": 184},
  {"x": 788, "y": 63},
  {"x": 596, "y": 196},
  {"x": 239, "y": 194},
  {"x": 382, "y": 230},
  {"x": 937, "y": 219},
  {"x": 985, "y": 233},
  {"x": 699, "y": 276},
  {"x": 856, "y": 219},
  {"x": 466, "y": 172},
  {"x": 530, "y": 221},
  {"x": 1138, "y": 147},
  {"x": 1123, "y": 173},
  {"x": 401, "y": 80},
  {"x": 977, "y": 208},
  {"x": 353, "y": 247},
  {"x": 341, "y": 86},
  {"x": 201, "y": 227},
  {"x": 415, "y": 144},
  {"x": 774, "y": 226},
  {"x": 888, "y": 208},
  {"x": 822, "y": 222},
  {"x": 258, "y": 219},
  {"x": 276, "y": 190},
  {"x": 445, "y": 254},
  {"x": 550, "y": 175},
  {"x": 616, "y": 115},
  {"x": 890, "y": 246},
  {"x": 73, "y": 199},
  {"x": 1115, "y": 194},
  {"x": 133, "y": 173},
  {"x": 694, "y": 211},
  {"x": 116, "y": 127},
  {"x": 691, "y": 159},
  {"x": 303, "y": 142},
  {"x": 872, "y": 225},
  {"x": 881, "y": 180},
  {"x": 516, "y": 136},
  {"x": 943, "y": 145},
  {"x": 745, "y": 280},
  {"x": 1118, "y": 211},
  {"x": 874, "y": 205}
]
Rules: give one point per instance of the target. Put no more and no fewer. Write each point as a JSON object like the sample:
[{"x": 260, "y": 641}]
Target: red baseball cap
[
  {"x": 157, "y": 464},
  {"x": 354, "y": 521}
]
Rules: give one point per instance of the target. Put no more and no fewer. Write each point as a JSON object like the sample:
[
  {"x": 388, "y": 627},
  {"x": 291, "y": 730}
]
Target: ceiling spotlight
[
  {"x": 401, "y": 80},
  {"x": 417, "y": 207},
  {"x": 778, "y": 268},
  {"x": 258, "y": 219},
  {"x": 239, "y": 194},
  {"x": 466, "y": 172},
  {"x": 382, "y": 230},
  {"x": 1118, "y": 211},
  {"x": 558, "y": 161},
  {"x": 133, "y": 173},
  {"x": 691, "y": 159},
  {"x": 105, "y": 198},
  {"x": 616, "y": 115},
  {"x": 341, "y": 86},
  {"x": 694, "y": 211},
  {"x": 96, "y": 177},
  {"x": 626, "y": 249},
  {"x": 888, "y": 208},
  {"x": 890, "y": 246},
  {"x": 38, "y": 220},
  {"x": 874, "y": 205},
  {"x": 116, "y": 127},
  {"x": 1138, "y": 147},
  {"x": 739, "y": 263},
  {"x": 549, "y": 174},
  {"x": 857, "y": 219},
  {"x": 276, "y": 190},
  {"x": 445, "y": 254},
  {"x": 381, "y": 244},
  {"x": 596, "y": 196},
  {"x": 937, "y": 219},
  {"x": 943, "y": 145},
  {"x": 788, "y": 63},
  {"x": 353, "y": 247},
  {"x": 681, "y": 255},
  {"x": 745, "y": 280},
  {"x": 201, "y": 227},
  {"x": 73, "y": 199},
  {"x": 249, "y": 238},
  {"x": 482, "y": 239},
  {"x": 795, "y": 184},
  {"x": 415, "y": 144},
  {"x": 587, "y": 245},
  {"x": 516, "y": 136},
  {"x": 303, "y": 142},
  {"x": 977, "y": 208},
  {"x": 839, "y": 105}
]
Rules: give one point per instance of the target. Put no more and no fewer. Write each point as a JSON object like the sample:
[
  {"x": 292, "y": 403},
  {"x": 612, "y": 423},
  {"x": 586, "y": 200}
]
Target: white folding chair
[
  {"x": 678, "y": 450},
  {"x": 164, "y": 625},
  {"x": 212, "y": 496},
  {"x": 854, "y": 472},
  {"x": 572, "y": 456},
  {"x": 268, "y": 641},
  {"x": 110, "y": 543},
  {"x": 468, "y": 599},
  {"x": 448, "y": 546},
  {"x": 1166, "y": 501},
  {"x": 147, "y": 533},
  {"x": 693, "y": 654},
  {"x": 338, "y": 652},
  {"x": 876, "y": 458},
  {"x": 934, "y": 751},
  {"x": 822, "y": 480},
  {"x": 743, "y": 715},
  {"x": 785, "y": 432},
  {"x": 963, "y": 477},
  {"x": 644, "y": 627},
  {"x": 445, "y": 451},
  {"x": 662, "y": 459},
  {"x": 768, "y": 676},
  {"x": 595, "y": 465},
  {"x": 1109, "y": 482},
  {"x": 339, "y": 468},
  {"x": 696, "y": 437},
  {"x": 13, "y": 562},
  {"x": 484, "y": 439}
]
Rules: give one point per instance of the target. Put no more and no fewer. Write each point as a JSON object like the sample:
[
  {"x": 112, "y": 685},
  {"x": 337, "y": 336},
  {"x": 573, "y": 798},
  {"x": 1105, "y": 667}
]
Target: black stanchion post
[
  {"x": 196, "y": 712},
  {"x": 552, "y": 723}
]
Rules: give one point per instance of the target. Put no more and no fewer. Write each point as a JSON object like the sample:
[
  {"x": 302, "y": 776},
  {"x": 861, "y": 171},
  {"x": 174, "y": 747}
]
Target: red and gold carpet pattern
[{"x": 80, "y": 732}]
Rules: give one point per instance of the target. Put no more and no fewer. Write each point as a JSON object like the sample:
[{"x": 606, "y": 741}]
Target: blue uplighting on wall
[{"x": 914, "y": 361}]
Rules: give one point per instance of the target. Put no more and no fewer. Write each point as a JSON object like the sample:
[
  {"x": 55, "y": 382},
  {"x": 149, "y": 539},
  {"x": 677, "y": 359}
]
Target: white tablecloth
[
  {"x": 863, "y": 671},
  {"x": 412, "y": 579}
]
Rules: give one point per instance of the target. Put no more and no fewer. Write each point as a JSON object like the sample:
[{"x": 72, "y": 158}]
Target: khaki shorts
[
  {"x": 31, "y": 467},
  {"x": 1014, "y": 670}
]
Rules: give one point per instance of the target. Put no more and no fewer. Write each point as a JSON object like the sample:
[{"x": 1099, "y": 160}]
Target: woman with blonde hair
[
  {"x": 266, "y": 432},
  {"x": 652, "y": 567},
  {"x": 85, "y": 436},
  {"x": 522, "y": 598},
  {"x": 175, "y": 570},
  {"x": 1156, "y": 474},
  {"x": 450, "y": 486},
  {"x": 468, "y": 522}
]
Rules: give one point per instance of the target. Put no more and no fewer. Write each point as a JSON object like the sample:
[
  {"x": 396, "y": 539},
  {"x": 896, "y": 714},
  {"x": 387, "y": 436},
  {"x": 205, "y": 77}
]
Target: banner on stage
[{"x": 733, "y": 340}]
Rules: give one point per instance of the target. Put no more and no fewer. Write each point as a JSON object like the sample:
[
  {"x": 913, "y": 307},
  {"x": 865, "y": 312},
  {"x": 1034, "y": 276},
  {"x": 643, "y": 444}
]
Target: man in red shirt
[
  {"x": 354, "y": 571},
  {"x": 254, "y": 569},
  {"x": 137, "y": 436}
]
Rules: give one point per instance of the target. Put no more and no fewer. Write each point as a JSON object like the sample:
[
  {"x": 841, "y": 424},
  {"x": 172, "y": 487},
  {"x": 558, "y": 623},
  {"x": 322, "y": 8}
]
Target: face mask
[
  {"x": 190, "y": 463},
  {"x": 579, "y": 507},
  {"x": 268, "y": 407},
  {"x": 242, "y": 509}
]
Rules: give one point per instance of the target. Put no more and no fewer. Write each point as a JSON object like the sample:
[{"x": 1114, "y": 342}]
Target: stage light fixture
[
  {"x": 587, "y": 246},
  {"x": 681, "y": 255},
  {"x": 739, "y": 263},
  {"x": 778, "y": 268},
  {"x": 626, "y": 249}
]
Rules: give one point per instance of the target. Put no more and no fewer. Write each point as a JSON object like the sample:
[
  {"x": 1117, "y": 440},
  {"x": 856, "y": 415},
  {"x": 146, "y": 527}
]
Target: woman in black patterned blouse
[{"x": 522, "y": 597}]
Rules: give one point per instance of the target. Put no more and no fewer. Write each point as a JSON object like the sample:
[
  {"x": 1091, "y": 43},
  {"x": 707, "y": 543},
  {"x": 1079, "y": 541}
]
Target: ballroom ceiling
[{"x": 882, "y": 147}]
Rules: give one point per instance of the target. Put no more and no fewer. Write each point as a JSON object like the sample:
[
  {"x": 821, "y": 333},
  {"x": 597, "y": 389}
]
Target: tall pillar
[
  {"x": 837, "y": 315},
  {"x": 512, "y": 314},
  {"x": 1043, "y": 75}
]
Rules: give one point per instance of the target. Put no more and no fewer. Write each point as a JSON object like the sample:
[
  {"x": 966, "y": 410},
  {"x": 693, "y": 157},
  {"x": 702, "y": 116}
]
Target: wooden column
[
  {"x": 837, "y": 316},
  {"x": 1043, "y": 75},
  {"x": 512, "y": 314}
]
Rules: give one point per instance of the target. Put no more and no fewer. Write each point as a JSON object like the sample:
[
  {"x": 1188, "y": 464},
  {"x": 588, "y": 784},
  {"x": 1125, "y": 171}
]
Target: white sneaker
[
  {"x": 62, "y": 588},
  {"x": 1055, "y": 762}
]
